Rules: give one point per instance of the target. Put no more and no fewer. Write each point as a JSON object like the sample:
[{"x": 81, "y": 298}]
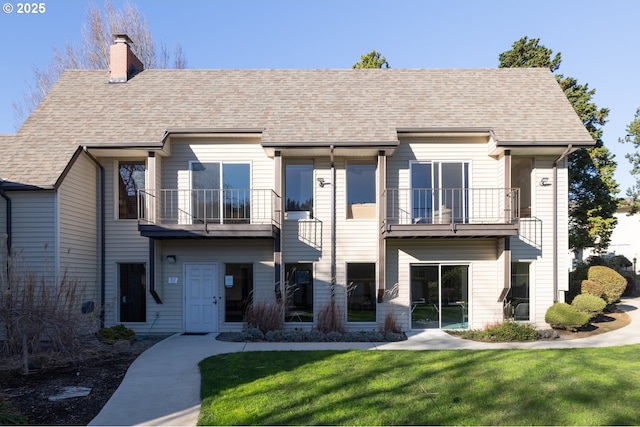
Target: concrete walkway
[{"x": 162, "y": 386}]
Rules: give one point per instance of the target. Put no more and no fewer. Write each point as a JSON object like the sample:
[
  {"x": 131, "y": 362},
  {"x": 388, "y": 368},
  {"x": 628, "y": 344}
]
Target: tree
[
  {"x": 93, "y": 51},
  {"x": 633, "y": 137},
  {"x": 592, "y": 187},
  {"x": 372, "y": 59}
]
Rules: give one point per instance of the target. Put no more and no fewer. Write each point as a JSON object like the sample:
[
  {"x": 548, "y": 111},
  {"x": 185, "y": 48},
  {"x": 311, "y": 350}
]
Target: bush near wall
[
  {"x": 564, "y": 316},
  {"x": 590, "y": 304},
  {"x": 612, "y": 282},
  {"x": 592, "y": 288}
]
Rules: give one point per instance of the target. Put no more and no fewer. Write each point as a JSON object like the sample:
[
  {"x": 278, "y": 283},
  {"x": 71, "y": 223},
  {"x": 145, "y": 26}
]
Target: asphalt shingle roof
[{"x": 292, "y": 106}]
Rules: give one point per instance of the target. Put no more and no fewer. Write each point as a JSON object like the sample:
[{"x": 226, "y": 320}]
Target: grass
[{"x": 488, "y": 387}]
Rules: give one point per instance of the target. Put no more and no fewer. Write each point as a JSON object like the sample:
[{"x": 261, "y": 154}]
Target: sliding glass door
[
  {"x": 220, "y": 192},
  {"x": 439, "y": 296},
  {"x": 440, "y": 192}
]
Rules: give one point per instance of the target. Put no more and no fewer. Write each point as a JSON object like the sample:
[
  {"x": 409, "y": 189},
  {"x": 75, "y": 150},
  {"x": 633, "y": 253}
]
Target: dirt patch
[
  {"x": 602, "y": 323},
  {"x": 102, "y": 370}
]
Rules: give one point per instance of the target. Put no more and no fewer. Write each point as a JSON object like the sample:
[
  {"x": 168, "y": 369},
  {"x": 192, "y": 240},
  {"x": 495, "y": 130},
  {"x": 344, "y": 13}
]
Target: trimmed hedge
[
  {"x": 590, "y": 304},
  {"x": 563, "y": 316},
  {"x": 592, "y": 288},
  {"x": 613, "y": 284}
]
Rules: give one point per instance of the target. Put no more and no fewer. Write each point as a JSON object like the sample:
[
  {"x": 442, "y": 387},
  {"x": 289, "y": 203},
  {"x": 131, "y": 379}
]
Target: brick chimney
[{"x": 123, "y": 63}]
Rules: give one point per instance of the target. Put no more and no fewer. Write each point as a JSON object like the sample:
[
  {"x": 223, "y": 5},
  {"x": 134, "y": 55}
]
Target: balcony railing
[
  {"x": 451, "y": 206},
  {"x": 208, "y": 206}
]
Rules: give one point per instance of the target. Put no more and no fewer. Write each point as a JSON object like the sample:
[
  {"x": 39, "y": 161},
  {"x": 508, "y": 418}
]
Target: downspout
[
  {"x": 102, "y": 236},
  {"x": 333, "y": 223},
  {"x": 8, "y": 207},
  {"x": 555, "y": 222}
]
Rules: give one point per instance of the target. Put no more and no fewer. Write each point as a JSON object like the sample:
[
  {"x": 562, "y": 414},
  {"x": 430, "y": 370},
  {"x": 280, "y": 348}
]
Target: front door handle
[{"x": 215, "y": 300}]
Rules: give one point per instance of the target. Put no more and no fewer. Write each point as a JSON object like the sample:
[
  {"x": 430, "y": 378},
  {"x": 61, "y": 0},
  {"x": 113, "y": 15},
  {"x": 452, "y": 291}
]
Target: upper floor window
[
  {"x": 131, "y": 174},
  {"x": 361, "y": 190},
  {"x": 299, "y": 191}
]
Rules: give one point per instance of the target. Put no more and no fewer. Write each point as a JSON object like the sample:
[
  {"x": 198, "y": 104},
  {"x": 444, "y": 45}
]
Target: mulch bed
[{"x": 102, "y": 371}]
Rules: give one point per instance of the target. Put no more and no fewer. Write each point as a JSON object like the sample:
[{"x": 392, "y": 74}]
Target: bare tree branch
[{"x": 93, "y": 52}]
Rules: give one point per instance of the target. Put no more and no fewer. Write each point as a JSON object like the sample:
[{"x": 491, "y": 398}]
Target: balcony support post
[
  {"x": 277, "y": 243},
  {"x": 508, "y": 197},
  {"x": 150, "y": 202},
  {"x": 382, "y": 211}
]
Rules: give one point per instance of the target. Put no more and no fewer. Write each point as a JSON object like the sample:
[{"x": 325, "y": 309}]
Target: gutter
[
  {"x": 9, "y": 227},
  {"x": 102, "y": 236},
  {"x": 555, "y": 221}
]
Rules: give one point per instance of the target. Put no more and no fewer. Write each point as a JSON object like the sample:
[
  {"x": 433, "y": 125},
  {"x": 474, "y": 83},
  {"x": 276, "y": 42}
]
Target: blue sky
[{"x": 598, "y": 40}]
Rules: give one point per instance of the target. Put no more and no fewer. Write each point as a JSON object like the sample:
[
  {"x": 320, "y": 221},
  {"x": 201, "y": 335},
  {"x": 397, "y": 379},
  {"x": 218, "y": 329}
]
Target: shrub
[
  {"x": 10, "y": 415},
  {"x": 592, "y": 288},
  {"x": 314, "y": 335},
  {"x": 612, "y": 282},
  {"x": 253, "y": 335},
  {"x": 390, "y": 325},
  {"x": 631, "y": 285},
  {"x": 330, "y": 318},
  {"x": 264, "y": 316},
  {"x": 590, "y": 304},
  {"x": 115, "y": 333},
  {"x": 333, "y": 336},
  {"x": 42, "y": 314},
  {"x": 563, "y": 316},
  {"x": 506, "y": 331}
]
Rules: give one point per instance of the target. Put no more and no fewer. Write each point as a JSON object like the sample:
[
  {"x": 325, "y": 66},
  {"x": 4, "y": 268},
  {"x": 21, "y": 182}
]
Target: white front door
[{"x": 201, "y": 298}]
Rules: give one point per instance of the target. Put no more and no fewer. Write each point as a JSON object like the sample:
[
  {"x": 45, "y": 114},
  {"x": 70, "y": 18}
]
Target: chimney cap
[{"x": 122, "y": 38}]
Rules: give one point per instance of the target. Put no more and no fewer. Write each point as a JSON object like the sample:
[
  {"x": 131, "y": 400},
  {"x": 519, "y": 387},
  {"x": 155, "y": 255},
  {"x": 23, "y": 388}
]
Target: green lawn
[{"x": 489, "y": 387}]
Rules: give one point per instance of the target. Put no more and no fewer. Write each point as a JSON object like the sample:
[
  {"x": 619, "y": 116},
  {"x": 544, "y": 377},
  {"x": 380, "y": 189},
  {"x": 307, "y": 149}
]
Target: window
[
  {"x": 220, "y": 192},
  {"x": 238, "y": 283},
  {"x": 299, "y": 292},
  {"x": 517, "y": 301},
  {"x": 521, "y": 169},
  {"x": 299, "y": 191},
  {"x": 440, "y": 192},
  {"x": 133, "y": 291},
  {"x": 361, "y": 292},
  {"x": 361, "y": 191},
  {"x": 131, "y": 179}
]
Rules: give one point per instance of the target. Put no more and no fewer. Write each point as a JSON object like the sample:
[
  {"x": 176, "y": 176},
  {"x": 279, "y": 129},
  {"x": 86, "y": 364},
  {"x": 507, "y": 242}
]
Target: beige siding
[
  {"x": 176, "y": 168},
  {"x": 541, "y": 258},
  {"x": 485, "y": 273},
  {"x": 34, "y": 228},
  {"x": 123, "y": 245},
  {"x": 484, "y": 169},
  {"x": 171, "y": 311},
  {"x": 78, "y": 225}
]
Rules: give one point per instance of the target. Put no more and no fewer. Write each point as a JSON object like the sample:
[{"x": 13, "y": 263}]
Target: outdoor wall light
[
  {"x": 171, "y": 259},
  {"x": 544, "y": 182},
  {"x": 321, "y": 182}
]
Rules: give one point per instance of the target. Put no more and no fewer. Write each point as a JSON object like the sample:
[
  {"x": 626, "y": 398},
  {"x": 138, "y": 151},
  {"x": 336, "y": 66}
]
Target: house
[
  {"x": 437, "y": 196},
  {"x": 623, "y": 238}
]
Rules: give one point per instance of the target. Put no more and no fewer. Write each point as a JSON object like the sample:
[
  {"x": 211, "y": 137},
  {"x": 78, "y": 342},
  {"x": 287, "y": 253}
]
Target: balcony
[
  {"x": 209, "y": 213},
  {"x": 450, "y": 212}
]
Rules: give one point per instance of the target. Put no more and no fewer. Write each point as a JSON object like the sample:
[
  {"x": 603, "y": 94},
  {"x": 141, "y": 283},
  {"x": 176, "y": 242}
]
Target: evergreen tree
[{"x": 592, "y": 187}]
